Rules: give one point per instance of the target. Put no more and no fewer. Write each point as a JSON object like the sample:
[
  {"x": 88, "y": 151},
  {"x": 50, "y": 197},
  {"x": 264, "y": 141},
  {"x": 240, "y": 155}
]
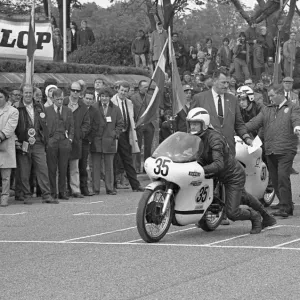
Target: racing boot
[
  {"x": 268, "y": 220},
  {"x": 255, "y": 219}
]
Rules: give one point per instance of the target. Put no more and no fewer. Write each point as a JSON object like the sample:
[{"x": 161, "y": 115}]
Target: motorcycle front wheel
[{"x": 151, "y": 224}]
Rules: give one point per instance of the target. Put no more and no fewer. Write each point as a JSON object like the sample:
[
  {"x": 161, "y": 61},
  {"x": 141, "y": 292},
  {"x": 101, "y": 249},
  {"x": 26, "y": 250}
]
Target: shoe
[
  {"x": 120, "y": 186},
  {"x": 111, "y": 193},
  {"x": 268, "y": 220},
  {"x": 255, "y": 219},
  {"x": 139, "y": 189},
  {"x": 77, "y": 195},
  {"x": 294, "y": 172},
  {"x": 276, "y": 206},
  {"x": 63, "y": 196},
  {"x": 225, "y": 222},
  {"x": 97, "y": 193},
  {"x": 3, "y": 203},
  {"x": 86, "y": 192},
  {"x": 282, "y": 213}
]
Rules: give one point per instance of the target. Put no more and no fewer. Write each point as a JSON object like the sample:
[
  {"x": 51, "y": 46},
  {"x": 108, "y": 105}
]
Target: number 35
[{"x": 162, "y": 167}]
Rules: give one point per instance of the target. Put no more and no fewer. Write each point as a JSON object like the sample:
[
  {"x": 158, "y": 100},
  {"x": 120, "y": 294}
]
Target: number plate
[{"x": 162, "y": 166}]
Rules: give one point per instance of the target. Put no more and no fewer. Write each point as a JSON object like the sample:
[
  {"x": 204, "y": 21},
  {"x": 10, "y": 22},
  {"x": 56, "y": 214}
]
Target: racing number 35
[{"x": 162, "y": 167}]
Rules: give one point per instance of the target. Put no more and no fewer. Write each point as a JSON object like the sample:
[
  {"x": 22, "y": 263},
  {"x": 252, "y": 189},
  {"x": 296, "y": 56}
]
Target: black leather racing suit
[{"x": 217, "y": 160}]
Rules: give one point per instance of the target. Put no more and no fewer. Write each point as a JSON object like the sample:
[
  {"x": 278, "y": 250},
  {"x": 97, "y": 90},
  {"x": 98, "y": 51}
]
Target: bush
[
  {"x": 19, "y": 66},
  {"x": 111, "y": 51}
]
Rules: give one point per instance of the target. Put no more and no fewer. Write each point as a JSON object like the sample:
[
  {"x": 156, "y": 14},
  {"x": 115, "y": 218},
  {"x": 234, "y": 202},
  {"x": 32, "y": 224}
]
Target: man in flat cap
[{"x": 288, "y": 90}]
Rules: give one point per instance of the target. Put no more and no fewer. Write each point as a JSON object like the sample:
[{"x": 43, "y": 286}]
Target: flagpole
[
  {"x": 151, "y": 80},
  {"x": 30, "y": 64},
  {"x": 65, "y": 30}
]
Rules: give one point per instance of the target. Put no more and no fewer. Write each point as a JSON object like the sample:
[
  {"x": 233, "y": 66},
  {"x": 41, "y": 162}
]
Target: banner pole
[{"x": 65, "y": 30}]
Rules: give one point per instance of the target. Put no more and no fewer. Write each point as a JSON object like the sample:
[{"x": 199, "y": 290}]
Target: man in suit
[
  {"x": 32, "y": 136},
  {"x": 224, "y": 109},
  {"x": 60, "y": 125},
  {"x": 105, "y": 140},
  {"x": 127, "y": 143},
  {"x": 98, "y": 85},
  {"x": 140, "y": 101},
  {"x": 89, "y": 100},
  {"x": 81, "y": 129}
]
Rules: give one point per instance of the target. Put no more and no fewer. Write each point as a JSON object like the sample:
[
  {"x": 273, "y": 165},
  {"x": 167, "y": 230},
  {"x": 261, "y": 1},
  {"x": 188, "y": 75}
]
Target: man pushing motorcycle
[{"x": 218, "y": 161}]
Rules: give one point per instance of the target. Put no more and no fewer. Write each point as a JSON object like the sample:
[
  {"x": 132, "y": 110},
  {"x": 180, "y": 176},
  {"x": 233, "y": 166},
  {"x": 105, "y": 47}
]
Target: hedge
[{"x": 19, "y": 66}]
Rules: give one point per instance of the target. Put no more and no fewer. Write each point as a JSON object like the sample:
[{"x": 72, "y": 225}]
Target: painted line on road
[
  {"x": 99, "y": 234},
  {"x": 286, "y": 243},
  {"x": 81, "y": 214},
  {"x": 104, "y": 215},
  {"x": 240, "y": 236},
  {"x": 15, "y": 214},
  {"x": 133, "y": 241},
  {"x": 81, "y": 203}
]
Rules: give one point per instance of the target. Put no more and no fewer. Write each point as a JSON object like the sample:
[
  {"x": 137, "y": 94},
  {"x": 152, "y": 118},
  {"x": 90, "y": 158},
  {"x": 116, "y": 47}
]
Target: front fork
[{"x": 169, "y": 193}]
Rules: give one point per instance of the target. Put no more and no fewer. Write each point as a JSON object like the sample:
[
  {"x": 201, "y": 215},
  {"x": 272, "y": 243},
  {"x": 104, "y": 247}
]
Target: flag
[
  {"x": 179, "y": 97},
  {"x": 158, "y": 77},
  {"x": 31, "y": 46}
]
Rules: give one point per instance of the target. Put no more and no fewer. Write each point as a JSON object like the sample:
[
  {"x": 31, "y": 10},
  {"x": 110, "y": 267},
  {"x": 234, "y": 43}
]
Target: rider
[{"x": 218, "y": 161}]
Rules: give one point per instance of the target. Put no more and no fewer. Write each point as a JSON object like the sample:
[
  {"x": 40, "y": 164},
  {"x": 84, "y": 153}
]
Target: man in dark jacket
[
  {"x": 89, "y": 100},
  {"x": 105, "y": 140},
  {"x": 85, "y": 36},
  {"x": 81, "y": 129},
  {"x": 139, "y": 47},
  {"x": 281, "y": 125},
  {"x": 60, "y": 126},
  {"x": 32, "y": 136},
  {"x": 217, "y": 161}
]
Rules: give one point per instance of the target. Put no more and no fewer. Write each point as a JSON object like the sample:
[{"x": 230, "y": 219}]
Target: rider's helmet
[
  {"x": 245, "y": 92},
  {"x": 200, "y": 115}
]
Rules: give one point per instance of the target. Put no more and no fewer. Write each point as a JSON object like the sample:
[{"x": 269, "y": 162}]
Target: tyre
[
  {"x": 212, "y": 219},
  {"x": 268, "y": 197},
  {"x": 151, "y": 224}
]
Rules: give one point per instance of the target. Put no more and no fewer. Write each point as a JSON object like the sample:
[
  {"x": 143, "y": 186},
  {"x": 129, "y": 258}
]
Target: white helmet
[
  {"x": 245, "y": 91},
  {"x": 198, "y": 114}
]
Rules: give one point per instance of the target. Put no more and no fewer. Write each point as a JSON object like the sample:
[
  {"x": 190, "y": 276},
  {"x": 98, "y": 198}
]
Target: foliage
[
  {"x": 19, "y": 66},
  {"x": 20, "y": 7}
]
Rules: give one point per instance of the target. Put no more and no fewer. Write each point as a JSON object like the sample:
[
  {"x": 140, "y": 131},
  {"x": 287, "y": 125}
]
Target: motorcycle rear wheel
[
  {"x": 210, "y": 221},
  {"x": 151, "y": 224}
]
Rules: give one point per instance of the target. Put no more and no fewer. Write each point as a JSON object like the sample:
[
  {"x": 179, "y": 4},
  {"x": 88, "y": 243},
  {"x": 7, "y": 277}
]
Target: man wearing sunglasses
[
  {"x": 15, "y": 97},
  {"x": 81, "y": 129}
]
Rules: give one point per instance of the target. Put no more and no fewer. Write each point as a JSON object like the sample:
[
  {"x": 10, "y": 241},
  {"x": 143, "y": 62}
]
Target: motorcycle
[{"x": 179, "y": 193}]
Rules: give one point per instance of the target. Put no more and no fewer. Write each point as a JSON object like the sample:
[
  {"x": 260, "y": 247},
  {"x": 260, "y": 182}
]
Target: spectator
[
  {"x": 127, "y": 143},
  {"x": 258, "y": 97},
  {"x": 15, "y": 97},
  {"x": 192, "y": 61},
  {"x": 241, "y": 58},
  {"x": 210, "y": 50},
  {"x": 281, "y": 125},
  {"x": 140, "y": 101},
  {"x": 85, "y": 35},
  {"x": 83, "y": 88},
  {"x": 267, "y": 43},
  {"x": 98, "y": 86},
  {"x": 49, "y": 94},
  {"x": 105, "y": 140},
  {"x": 232, "y": 85},
  {"x": 187, "y": 79},
  {"x": 258, "y": 59},
  {"x": 165, "y": 125},
  {"x": 81, "y": 129},
  {"x": 31, "y": 135},
  {"x": 261, "y": 89},
  {"x": 131, "y": 91},
  {"x": 89, "y": 100},
  {"x": 191, "y": 50},
  {"x": 158, "y": 40},
  {"x": 139, "y": 47},
  {"x": 57, "y": 45},
  {"x": 199, "y": 47},
  {"x": 48, "y": 81},
  {"x": 72, "y": 34},
  {"x": 199, "y": 65},
  {"x": 180, "y": 53},
  {"x": 289, "y": 52},
  {"x": 225, "y": 54},
  {"x": 288, "y": 90},
  {"x": 8, "y": 122},
  {"x": 269, "y": 66},
  {"x": 60, "y": 124},
  {"x": 37, "y": 95},
  {"x": 53, "y": 22}
]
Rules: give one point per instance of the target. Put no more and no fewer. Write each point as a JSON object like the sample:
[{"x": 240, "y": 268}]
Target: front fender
[{"x": 153, "y": 185}]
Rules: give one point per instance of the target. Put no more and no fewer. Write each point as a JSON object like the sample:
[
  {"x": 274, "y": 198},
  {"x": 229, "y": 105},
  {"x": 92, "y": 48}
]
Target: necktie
[
  {"x": 98, "y": 97},
  {"x": 287, "y": 96},
  {"x": 124, "y": 115},
  {"x": 105, "y": 108},
  {"x": 220, "y": 110}
]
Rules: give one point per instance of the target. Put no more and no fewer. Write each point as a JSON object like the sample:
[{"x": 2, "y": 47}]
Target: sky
[{"x": 106, "y": 3}]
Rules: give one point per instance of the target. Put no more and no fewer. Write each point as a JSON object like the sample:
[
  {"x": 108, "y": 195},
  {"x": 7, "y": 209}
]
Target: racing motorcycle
[{"x": 179, "y": 193}]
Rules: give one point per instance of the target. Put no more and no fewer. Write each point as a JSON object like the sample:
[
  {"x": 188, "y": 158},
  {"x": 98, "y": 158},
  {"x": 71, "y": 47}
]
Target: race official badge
[
  {"x": 286, "y": 110},
  {"x": 42, "y": 115},
  {"x": 31, "y": 133}
]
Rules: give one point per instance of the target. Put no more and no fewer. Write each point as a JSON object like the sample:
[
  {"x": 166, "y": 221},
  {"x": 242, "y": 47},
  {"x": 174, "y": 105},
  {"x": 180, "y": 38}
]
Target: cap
[
  {"x": 288, "y": 79},
  {"x": 187, "y": 87}
]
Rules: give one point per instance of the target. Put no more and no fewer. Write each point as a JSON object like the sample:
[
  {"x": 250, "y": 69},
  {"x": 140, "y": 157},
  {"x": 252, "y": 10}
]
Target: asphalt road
[{"x": 90, "y": 249}]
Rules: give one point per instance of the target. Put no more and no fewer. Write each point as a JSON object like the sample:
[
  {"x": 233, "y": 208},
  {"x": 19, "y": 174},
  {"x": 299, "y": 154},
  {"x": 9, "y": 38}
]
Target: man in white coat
[
  {"x": 8, "y": 122},
  {"x": 127, "y": 142}
]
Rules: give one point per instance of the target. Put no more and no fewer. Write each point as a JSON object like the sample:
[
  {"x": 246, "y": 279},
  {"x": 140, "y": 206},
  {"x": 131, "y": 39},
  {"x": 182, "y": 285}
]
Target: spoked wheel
[
  {"x": 268, "y": 197},
  {"x": 151, "y": 224},
  {"x": 215, "y": 213}
]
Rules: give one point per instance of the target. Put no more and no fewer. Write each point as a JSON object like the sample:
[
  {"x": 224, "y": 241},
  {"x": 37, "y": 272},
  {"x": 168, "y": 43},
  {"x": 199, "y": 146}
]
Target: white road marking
[
  {"x": 80, "y": 214},
  {"x": 167, "y": 234},
  {"x": 21, "y": 213},
  {"x": 239, "y": 236},
  {"x": 108, "y": 215},
  {"x": 99, "y": 234},
  {"x": 81, "y": 203},
  {"x": 286, "y": 243}
]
